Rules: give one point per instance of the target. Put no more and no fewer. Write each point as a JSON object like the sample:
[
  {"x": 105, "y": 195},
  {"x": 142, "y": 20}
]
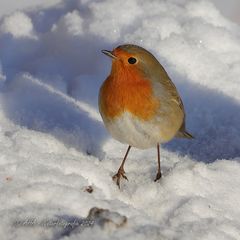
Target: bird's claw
[
  {"x": 118, "y": 175},
  {"x": 158, "y": 176}
]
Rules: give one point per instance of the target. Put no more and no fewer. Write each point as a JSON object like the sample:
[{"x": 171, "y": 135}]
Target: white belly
[{"x": 132, "y": 131}]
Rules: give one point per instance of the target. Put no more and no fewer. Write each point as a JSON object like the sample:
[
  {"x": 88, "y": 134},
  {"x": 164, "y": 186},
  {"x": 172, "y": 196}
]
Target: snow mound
[
  {"x": 18, "y": 25},
  {"x": 54, "y": 146},
  {"x": 70, "y": 23}
]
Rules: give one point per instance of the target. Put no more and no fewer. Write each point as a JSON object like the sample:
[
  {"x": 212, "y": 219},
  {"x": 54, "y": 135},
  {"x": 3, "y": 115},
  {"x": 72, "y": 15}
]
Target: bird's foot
[
  {"x": 158, "y": 176},
  {"x": 120, "y": 174}
]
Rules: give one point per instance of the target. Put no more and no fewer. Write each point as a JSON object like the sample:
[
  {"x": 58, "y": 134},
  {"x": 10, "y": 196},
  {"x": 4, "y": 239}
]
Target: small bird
[{"x": 139, "y": 104}]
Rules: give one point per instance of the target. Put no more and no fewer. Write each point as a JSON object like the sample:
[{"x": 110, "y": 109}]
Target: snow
[
  {"x": 53, "y": 143},
  {"x": 10, "y": 6},
  {"x": 71, "y": 23},
  {"x": 18, "y": 25}
]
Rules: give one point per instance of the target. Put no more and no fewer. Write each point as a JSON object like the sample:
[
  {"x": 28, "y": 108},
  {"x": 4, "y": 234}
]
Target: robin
[{"x": 139, "y": 104}]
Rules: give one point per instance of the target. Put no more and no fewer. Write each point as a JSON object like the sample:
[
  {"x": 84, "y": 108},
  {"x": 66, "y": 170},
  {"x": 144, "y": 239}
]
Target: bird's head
[{"x": 132, "y": 58}]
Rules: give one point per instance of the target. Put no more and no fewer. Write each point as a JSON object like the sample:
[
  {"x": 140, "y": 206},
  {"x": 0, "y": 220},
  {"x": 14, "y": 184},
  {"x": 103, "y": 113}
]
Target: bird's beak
[{"x": 109, "y": 54}]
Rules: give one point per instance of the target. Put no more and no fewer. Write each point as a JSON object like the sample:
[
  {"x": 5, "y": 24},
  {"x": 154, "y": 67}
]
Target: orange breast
[{"x": 127, "y": 90}]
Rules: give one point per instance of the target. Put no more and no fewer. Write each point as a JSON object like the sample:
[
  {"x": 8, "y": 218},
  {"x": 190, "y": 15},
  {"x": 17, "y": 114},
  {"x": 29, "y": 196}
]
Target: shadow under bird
[{"x": 139, "y": 104}]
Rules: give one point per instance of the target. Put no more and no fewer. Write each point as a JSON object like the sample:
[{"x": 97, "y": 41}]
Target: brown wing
[{"x": 171, "y": 88}]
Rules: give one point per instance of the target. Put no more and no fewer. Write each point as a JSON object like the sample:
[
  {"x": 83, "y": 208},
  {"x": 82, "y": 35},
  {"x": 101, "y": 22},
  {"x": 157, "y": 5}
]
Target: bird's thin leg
[
  {"x": 158, "y": 176},
  {"x": 121, "y": 172}
]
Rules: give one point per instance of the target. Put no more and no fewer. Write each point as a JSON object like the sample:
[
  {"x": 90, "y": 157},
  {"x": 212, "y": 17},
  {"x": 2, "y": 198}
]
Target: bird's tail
[{"x": 184, "y": 134}]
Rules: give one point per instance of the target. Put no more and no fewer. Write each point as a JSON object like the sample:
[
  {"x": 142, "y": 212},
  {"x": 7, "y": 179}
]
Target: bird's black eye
[{"x": 132, "y": 60}]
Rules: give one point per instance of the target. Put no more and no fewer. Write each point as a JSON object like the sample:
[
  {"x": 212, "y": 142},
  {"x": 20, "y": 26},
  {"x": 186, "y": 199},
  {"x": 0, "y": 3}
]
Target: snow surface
[{"x": 53, "y": 144}]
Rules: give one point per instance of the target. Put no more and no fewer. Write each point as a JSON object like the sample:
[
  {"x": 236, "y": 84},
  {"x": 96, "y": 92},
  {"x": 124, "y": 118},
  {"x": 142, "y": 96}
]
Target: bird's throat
[{"x": 127, "y": 90}]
